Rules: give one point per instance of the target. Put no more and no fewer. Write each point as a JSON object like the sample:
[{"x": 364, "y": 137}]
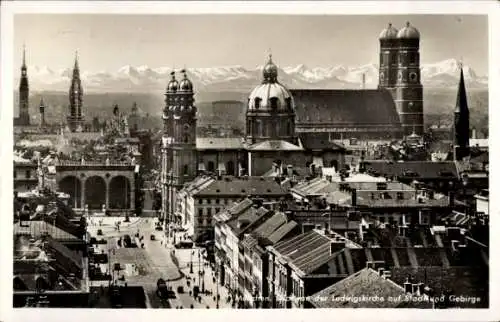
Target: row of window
[
  {"x": 217, "y": 201},
  {"x": 273, "y": 102},
  {"x": 208, "y": 212}
]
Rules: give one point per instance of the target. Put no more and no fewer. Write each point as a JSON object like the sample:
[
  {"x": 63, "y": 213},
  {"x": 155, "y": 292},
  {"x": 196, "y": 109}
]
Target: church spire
[
  {"x": 24, "y": 117},
  {"x": 76, "y": 61},
  {"x": 461, "y": 120},
  {"x": 24, "y": 57}
]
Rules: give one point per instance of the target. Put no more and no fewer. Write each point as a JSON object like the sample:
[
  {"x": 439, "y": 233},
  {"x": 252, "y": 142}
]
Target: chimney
[
  {"x": 407, "y": 286},
  {"x": 363, "y": 81},
  {"x": 474, "y": 133},
  {"x": 354, "y": 198}
]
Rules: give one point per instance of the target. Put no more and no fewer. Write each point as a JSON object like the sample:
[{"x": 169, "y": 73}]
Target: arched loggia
[
  {"x": 72, "y": 186},
  {"x": 95, "y": 192},
  {"x": 119, "y": 193}
]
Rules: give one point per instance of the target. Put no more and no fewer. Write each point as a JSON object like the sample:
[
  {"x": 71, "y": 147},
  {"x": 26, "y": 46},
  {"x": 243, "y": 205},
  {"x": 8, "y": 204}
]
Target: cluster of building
[
  {"x": 294, "y": 213},
  {"x": 297, "y": 217}
]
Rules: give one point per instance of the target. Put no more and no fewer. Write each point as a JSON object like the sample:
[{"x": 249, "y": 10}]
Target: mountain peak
[{"x": 143, "y": 78}]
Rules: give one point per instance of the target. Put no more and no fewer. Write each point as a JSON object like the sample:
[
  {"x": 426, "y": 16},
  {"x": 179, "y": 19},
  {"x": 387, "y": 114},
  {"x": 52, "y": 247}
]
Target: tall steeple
[
  {"x": 24, "y": 116},
  {"x": 461, "y": 128},
  {"x": 75, "y": 117}
]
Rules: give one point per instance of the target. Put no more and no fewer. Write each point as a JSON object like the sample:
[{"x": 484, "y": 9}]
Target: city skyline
[{"x": 346, "y": 40}]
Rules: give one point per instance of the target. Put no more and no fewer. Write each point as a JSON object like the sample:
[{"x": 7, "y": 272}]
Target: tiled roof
[
  {"x": 256, "y": 186},
  {"x": 406, "y": 203},
  {"x": 282, "y": 231},
  {"x": 421, "y": 169},
  {"x": 318, "y": 141},
  {"x": 306, "y": 251},
  {"x": 275, "y": 145},
  {"x": 270, "y": 225},
  {"x": 248, "y": 216},
  {"x": 366, "y": 282},
  {"x": 219, "y": 143},
  {"x": 234, "y": 210},
  {"x": 356, "y": 107}
]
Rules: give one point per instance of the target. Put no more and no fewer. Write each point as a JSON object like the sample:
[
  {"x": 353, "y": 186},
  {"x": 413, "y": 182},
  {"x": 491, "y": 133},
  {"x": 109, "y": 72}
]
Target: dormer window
[
  {"x": 274, "y": 103},
  {"x": 257, "y": 102}
]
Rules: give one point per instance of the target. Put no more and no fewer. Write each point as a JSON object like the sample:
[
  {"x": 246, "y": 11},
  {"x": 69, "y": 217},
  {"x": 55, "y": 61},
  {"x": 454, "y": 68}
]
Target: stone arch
[
  {"x": 95, "y": 192},
  {"x": 119, "y": 193},
  {"x": 73, "y": 187},
  {"x": 230, "y": 168}
]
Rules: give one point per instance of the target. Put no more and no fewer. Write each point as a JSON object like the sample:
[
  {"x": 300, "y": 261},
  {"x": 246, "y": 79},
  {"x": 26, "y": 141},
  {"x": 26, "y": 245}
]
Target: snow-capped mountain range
[{"x": 442, "y": 74}]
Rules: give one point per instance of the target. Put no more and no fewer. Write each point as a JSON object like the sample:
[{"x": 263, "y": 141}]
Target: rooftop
[
  {"x": 275, "y": 145},
  {"x": 318, "y": 141},
  {"x": 219, "y": 144},
  {"x": 245, "y": 186},
  {"x": 240, "y": 223},
  {"x": 366, "y": 282},
  {"x": 413, "y": 169},
  {"x": 305, "y": 252},
  {"x": 353, "y": 107}
]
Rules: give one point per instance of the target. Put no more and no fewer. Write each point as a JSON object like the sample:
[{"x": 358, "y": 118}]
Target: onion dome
[
  {"x": 173, "y": 85},
  {"x": 388, "y": 33},
  {"x": 270, "y": 71},
  {"x": 409, "y": 32},
  {"x": 185, "y": 84},
  {"x": 270, "y": 95}
]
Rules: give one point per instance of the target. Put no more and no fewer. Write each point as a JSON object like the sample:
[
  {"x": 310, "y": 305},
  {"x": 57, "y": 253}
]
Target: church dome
[
  {"x": 389, "y": 33},
  {"x": 185, "y": 84},
  {"x": 173, "y": 85},
  {"x": 408, "y": 32},
  {"x": 270, "y": 95}
]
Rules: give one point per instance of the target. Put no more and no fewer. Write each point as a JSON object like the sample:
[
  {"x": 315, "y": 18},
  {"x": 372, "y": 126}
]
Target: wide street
[{"x": 144, "y": 266}]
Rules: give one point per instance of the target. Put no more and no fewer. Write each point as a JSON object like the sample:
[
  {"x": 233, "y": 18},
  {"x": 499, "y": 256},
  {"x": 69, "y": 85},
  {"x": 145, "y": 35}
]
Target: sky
[{"x": 107, "y": 42}]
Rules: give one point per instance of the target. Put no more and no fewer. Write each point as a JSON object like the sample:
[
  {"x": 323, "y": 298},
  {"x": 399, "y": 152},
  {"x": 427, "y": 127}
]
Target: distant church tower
[
  {"x": 461, "y": 126},
  {"x": 400, "y": 74},
  {"x": 75, "y": 118},
  {"x": 24, "y": 92},
  {"x": 179, "y": 153}
]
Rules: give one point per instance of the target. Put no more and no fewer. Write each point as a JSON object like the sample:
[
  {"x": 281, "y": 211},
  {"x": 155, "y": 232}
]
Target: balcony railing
[{"x": 94, "y": 163}]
